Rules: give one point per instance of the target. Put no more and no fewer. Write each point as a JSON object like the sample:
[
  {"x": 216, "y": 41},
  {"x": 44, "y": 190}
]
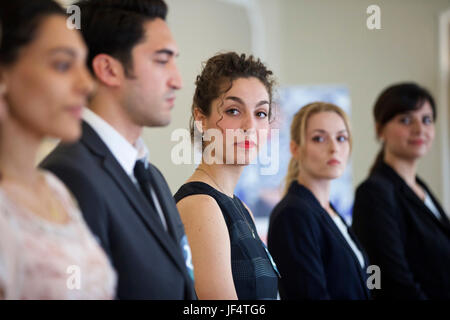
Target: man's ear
[
  {"x": 294, "y": 148},
  {"x": 199, "y": 120},
  {"x": 108, "y": 70}
]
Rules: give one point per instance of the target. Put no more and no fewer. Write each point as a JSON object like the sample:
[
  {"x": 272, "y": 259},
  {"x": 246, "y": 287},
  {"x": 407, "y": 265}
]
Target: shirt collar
[{"x": 124, "y": 152}]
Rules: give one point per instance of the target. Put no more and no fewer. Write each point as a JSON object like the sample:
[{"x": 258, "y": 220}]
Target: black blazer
[
  {"x": 313, "y": 257},
  {"x": 149, "y": 261},
  {"x": 402, "y": 236}
]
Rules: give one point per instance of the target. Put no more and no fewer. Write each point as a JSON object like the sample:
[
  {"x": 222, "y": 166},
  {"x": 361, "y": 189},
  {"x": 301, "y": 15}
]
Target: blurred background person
[
  {"x": 399, "y": 221},
  {"x": 233, "y": 93},
  {"x": 43, "y": 238},
  {"x": 317, "y": 253}
]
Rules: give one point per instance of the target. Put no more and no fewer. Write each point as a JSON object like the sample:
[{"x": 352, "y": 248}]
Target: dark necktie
[{"x": 143, "y": 177}]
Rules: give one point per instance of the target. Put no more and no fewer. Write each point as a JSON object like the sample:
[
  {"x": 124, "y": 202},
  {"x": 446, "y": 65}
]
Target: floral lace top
[{"x": 40, "y": 259}]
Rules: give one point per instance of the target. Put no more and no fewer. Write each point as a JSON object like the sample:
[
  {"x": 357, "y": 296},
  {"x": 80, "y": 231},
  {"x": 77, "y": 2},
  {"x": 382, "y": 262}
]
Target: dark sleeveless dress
[{"x": 254, "y": 275}]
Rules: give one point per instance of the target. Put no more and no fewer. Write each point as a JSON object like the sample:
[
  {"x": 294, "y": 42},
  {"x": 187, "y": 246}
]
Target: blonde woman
[{"x": 317, "y": 254}]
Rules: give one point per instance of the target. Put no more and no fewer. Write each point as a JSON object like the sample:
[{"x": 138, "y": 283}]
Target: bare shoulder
[
  {"x": 200, "y": 211},
  {"x": 197, "y": 203},
  {"x": 202, "y": 199}
]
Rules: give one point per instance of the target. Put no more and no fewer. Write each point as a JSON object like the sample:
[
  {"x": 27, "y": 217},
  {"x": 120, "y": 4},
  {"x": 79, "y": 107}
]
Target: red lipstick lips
[{"x": 246, "y": 144}]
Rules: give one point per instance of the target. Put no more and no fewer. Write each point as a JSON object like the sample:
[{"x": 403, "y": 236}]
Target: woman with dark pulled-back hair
[
  {"x": 400, "y": 223},
  {"x": 233, "y": 95},
  {"x": 46, "y": 249}
]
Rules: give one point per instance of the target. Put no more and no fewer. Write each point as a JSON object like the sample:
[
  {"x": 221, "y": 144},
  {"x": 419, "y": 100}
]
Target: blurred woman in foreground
[{"x": 46, "y": 250}]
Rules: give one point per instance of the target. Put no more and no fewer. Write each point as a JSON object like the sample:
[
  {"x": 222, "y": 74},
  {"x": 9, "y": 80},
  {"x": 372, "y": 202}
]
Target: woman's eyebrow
[
  {"x": 65, "y": 50},
  {"x": 324, "y": 131},
  {"x": 240, "y": 101}
]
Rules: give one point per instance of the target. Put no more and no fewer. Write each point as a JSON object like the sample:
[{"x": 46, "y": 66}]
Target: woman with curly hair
[{"x": 232, "y": 102}]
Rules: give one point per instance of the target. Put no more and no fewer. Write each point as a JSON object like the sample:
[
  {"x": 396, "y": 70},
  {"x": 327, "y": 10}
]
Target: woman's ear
[
  {"x": 379, "y": 132},
  {"x": 293, "y": 146},
  {"x": 199, "y": 120}
]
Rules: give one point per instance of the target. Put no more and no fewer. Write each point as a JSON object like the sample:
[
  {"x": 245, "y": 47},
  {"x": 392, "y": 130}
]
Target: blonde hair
[{"x": 298, "y": 131}]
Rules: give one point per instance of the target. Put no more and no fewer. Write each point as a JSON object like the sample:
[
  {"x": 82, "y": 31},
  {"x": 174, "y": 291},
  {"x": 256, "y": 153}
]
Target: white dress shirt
[
  {"x": 124, "y": 152},
  {"x": 430, "y": 204},
  {"x": 343, "y": 228}
]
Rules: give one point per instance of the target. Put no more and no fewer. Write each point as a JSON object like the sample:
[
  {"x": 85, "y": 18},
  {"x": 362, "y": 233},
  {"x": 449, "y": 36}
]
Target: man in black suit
[{"x": 124, "y": 199}]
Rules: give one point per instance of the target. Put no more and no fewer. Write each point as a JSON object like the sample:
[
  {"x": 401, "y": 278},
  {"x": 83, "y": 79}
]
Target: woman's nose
[
  {"x": 248, "y": 124},
  {"x": 417, "y": 126},
  {"x": 85, "y": 82},
  {"x": 333, "y": 146}
]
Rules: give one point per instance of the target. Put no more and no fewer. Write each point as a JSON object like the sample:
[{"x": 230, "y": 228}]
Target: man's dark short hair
[{"x": 114, "y": 27}]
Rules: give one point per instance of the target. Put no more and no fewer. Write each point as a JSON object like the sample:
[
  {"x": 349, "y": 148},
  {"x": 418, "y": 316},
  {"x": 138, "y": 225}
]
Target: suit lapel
[
  {"x": 335, "y": 230},
  {"x": 445, "y": 221},
  {"x": 170, "y": 211},
  {"x": 361, "y": 270},
  {"x": 328, "y": 221},
  {"x": 358, "y": 244},
  {"x": 135, "y": 198},
  {"x": 413, "y": 199},
  {"x": 423, "y": 210}
]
